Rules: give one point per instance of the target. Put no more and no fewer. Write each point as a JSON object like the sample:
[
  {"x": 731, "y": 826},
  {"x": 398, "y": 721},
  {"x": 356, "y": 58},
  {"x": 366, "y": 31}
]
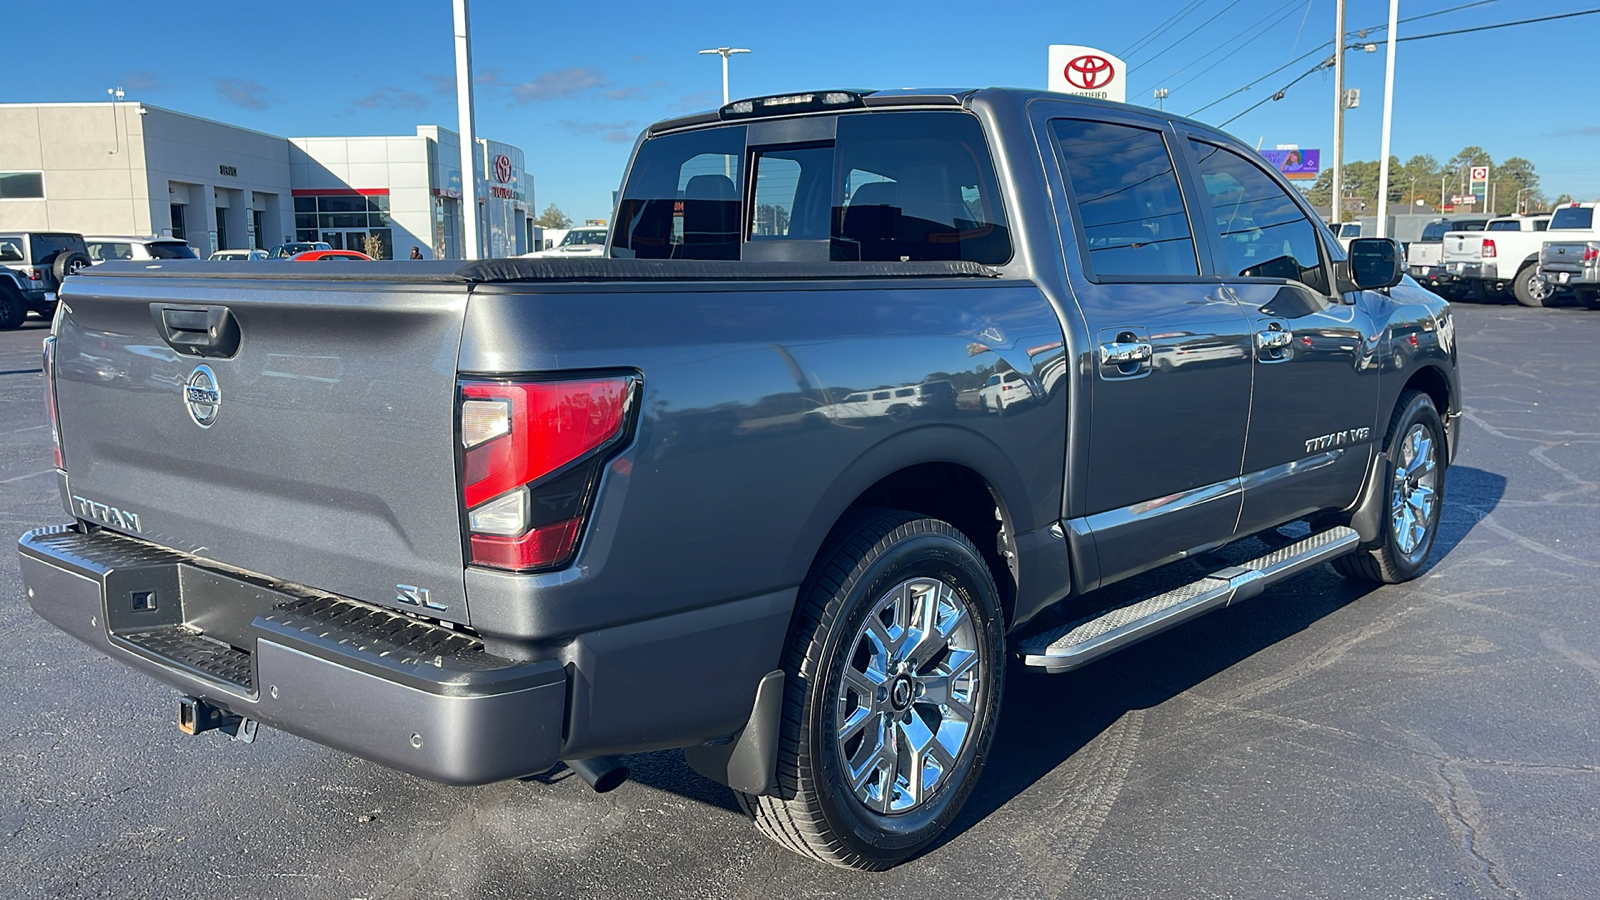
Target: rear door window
[
  {"x": 1126, "y": 199},
  {"x": 11, "y": 249},
  {"x": 1258, "y": 230}
]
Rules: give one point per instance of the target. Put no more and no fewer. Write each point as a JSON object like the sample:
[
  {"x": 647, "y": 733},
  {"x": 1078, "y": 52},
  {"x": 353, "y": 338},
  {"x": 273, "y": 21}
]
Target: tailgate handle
[{"x": 210, "y": 331}]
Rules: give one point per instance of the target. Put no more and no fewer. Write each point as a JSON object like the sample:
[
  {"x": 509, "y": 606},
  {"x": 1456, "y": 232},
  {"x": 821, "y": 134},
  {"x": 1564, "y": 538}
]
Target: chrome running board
[{"x": 1078, "y": 643}]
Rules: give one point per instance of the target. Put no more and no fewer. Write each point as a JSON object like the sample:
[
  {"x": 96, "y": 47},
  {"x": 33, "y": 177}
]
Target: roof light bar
[{"x": 780, "y": 104}]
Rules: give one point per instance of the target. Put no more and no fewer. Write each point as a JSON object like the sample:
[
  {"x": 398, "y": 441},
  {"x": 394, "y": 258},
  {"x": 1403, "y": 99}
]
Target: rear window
[
  {"x": 682, "y": 198},
  {"x": 889, "y": 187},
  {"x": 46, "y": 246},
  {"x": 1574, "y": 217},
  {"x": 171, "y": 250},
  {"x": 1508, "y": 225}
]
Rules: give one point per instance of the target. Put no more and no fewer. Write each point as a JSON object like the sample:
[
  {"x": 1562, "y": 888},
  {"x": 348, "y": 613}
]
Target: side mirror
[{"x": 1374, "y": 264}]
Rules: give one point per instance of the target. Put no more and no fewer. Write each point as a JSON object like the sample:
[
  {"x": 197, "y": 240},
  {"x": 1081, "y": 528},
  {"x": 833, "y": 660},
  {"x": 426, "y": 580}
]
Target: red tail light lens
[
  {"x": 532, "y": 455},
  {"x": 1590, "y": 254},
  {"x": 50, "y": 397},
  {"x": 1488, "y": 249},
  {"x": 35, "y": 275}
]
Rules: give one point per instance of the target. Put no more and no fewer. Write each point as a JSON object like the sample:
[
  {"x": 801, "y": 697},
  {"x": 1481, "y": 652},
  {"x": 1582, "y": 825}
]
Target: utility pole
[
  {"x": 1161, "y": 98},
  {"x": 725, "y": 52},
  {"x": 1388, "y": 118},
  {"x": 468, "y": 136},
  {"x": 1338, "y": 112}
]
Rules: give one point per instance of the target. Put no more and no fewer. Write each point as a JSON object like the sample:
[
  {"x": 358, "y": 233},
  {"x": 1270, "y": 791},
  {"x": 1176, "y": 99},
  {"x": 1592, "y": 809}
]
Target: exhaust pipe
[{"x": 603, "y": 773}]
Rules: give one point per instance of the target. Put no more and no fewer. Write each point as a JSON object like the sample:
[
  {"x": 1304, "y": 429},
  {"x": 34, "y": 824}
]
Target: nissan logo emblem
[{"x": 202, "y": 396}]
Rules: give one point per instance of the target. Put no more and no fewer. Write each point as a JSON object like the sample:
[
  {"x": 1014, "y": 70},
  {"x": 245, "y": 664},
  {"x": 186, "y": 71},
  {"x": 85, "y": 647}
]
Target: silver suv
[
  {"x": 41, "y": 261},
  {"x": 109, "y": 248}
]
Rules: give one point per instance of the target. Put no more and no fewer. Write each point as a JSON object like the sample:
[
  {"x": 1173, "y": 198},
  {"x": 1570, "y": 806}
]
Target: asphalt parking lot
[{"x": 1439, "y": 739}]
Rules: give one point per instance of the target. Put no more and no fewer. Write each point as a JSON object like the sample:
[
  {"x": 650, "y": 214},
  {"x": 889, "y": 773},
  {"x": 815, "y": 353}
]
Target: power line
[
  {"x": 1419, "y": 37},
  {"x": 1282, "y": 13},
  {"x": 1191, "y": 33},
  {"x": 1157, "y": 31},
  {"x": 1278, "y": 94},
  {"x": 1326, "y": 44}
]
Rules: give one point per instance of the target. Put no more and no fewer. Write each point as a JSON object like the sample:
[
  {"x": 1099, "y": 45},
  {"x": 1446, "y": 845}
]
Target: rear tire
[
  {"x": 1588, "y": 297},
  {"x": 1528, "y": 289},
  {"x": 1414, "y": 492},
  {"x": 889, "y": 586},
  {"x": 12, "y": 312}
]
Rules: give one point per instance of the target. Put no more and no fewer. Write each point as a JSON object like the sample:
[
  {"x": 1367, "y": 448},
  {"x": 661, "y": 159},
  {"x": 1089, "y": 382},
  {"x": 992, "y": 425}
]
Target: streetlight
[
  {"x": 1161, "y": 95},
  {"x": 725, "y": 52}
]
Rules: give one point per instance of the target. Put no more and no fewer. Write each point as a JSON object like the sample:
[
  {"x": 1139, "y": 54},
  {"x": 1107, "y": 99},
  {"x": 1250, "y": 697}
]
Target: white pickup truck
[
  {"x": 1571, "y": 254},
  {"x": 1504, "y": 254},
  {"x": 1425, "y": 255}
]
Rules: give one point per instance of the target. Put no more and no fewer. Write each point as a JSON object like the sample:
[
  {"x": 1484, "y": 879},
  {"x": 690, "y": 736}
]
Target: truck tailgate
[
  {"x": 1460, "y": 247},
  {"x": 328, "y": 457}
]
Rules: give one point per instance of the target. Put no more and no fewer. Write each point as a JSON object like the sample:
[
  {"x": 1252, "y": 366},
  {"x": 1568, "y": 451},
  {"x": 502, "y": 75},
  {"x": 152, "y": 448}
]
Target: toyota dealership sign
[{"x": 1087, "y": 72}]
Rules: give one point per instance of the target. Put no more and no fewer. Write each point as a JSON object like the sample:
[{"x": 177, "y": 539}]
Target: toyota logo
[
  {"x": 502, "y": 168},
  {"x": 1089, "y": 72},
  {"x": 202, "y": 396}
]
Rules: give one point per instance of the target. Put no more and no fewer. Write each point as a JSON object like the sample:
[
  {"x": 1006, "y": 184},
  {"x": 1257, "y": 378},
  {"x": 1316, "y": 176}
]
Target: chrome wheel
[
  {"x": 908, "y": 695},
  {"x": 1414, "y": 494}
]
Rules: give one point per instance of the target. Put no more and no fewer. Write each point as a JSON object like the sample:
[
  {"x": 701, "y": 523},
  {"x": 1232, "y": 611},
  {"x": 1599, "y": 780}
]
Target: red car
[{"x": 328, "y": 256}]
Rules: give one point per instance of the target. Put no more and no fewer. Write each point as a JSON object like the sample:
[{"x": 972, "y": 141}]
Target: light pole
[
  {"x": 725, "y": 52},
  {"x": 1338, "y": 111},
  {"x": 1388, "y": 117},
  {"x": 1161, "y": 96},
  {"x": 469, "y": 159}
]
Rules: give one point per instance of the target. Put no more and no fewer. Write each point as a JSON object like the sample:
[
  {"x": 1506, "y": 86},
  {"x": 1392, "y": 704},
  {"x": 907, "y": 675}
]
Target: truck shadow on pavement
[{"x": 1047, "y": 719}]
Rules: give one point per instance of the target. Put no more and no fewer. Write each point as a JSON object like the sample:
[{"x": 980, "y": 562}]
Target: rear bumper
[
  {"x": 402, "y": 692},
  {"x": 1567, "y": 274},
  {"x": 1489, "y": 271}
]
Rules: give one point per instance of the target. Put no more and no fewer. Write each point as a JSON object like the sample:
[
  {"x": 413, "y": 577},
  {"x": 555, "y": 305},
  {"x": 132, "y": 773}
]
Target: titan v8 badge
[{"x": 202, "y": 396}]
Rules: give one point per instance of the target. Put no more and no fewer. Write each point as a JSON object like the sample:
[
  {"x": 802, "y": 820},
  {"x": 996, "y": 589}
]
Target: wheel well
[
  {"x": 1432, "y": 382},
  {"x": 960, "y": 496}
]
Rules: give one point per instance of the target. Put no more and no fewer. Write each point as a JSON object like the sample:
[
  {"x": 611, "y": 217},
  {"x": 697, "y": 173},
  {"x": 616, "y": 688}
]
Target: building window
[
  {"x": 256, "y": 218},
  {"x": 222, "y": 228},
  {"x": 21, "y": 185},
  {"x": 178, "y": 231}
]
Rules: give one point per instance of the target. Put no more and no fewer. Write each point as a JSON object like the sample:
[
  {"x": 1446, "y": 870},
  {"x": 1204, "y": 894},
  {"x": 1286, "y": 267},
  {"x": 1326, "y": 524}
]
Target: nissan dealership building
[{"x": 136, "y": 169}]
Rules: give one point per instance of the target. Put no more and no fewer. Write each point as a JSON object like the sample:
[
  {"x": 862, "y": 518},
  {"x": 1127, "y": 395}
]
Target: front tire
[
  {"x": 894, "y": 672},
  {"x": 1528, "y": 289},
  {"x": 1415, "y": 447}
]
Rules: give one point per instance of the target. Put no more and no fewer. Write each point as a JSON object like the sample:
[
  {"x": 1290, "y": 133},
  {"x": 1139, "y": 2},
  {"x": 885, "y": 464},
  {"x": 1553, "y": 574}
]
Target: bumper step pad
[
  {"x": 190, "y": 649},
  {"x": 1080, "y": 642}
]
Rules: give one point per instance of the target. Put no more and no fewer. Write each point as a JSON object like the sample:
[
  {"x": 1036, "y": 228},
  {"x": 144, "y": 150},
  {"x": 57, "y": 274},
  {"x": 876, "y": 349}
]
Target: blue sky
[{"x": 572, "y": 83}]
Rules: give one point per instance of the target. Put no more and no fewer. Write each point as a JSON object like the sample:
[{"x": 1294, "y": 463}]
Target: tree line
[{"x": 1513, "y": 184}]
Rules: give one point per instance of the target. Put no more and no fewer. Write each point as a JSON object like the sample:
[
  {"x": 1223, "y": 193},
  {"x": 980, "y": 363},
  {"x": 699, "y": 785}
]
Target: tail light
[
  {"x": 1590, "y": 254},
  {"x": 1488, "y": 249},
  {"x": 50, "y": 397},
  {"x": 35, "y": 275},
  {"x": 532, "y": 453}
]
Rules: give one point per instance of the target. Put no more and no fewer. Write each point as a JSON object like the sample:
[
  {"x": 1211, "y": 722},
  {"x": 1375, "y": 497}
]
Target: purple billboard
[{"x": 1295, "y": 163}]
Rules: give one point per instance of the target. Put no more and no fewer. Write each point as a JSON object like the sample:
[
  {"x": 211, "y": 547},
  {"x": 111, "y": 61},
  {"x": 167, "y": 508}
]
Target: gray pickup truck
[
  {"x": 873, "y": 393},
  {"x": 1570, "y": 257}
]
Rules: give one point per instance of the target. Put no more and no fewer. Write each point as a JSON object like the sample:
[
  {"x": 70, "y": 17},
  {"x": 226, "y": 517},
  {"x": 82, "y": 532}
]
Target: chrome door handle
[
  {"x": 1273, "y": 340},
  {"x": 1119, "y": 353}
]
